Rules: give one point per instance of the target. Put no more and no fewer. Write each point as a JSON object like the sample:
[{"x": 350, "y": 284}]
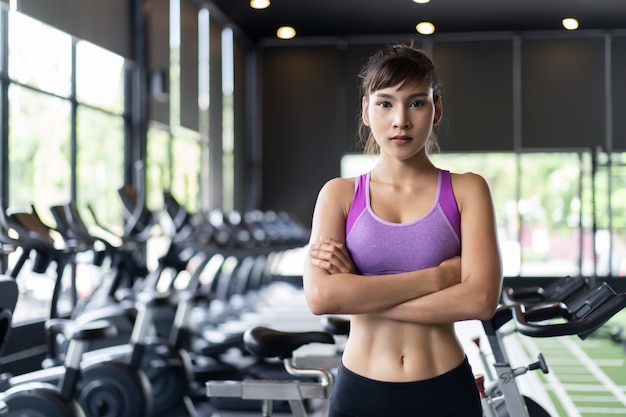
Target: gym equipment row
[{"x": 152, "y": 324}]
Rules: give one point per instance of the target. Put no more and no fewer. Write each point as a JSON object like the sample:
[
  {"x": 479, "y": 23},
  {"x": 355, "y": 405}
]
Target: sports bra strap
[
  {"x": 358, "y": 201},
  {"x": 448, "y": 202}
]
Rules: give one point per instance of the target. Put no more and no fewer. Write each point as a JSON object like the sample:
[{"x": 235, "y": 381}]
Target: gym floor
[{"x": 588, "y": 377}]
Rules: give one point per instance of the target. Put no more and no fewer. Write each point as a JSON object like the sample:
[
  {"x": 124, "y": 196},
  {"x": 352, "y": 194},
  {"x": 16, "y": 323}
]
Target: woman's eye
[
  {"x": 418, "y": 103},
  {"x": 384, "y": 104}
]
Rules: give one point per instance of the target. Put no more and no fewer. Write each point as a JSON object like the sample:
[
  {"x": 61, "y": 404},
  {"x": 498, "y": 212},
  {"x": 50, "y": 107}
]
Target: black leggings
[{"x": 453, "y": 394}]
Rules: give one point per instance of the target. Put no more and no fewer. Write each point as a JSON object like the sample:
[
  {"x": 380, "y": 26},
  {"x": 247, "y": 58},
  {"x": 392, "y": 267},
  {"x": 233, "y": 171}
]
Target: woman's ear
[
  {"x": 438, "y": 111},
  {"x": 364, "y": 108}
]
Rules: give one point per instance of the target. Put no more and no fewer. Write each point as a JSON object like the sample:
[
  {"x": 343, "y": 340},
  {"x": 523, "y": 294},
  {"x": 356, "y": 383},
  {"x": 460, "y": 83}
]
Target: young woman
[{"x": 407, "y": 250}]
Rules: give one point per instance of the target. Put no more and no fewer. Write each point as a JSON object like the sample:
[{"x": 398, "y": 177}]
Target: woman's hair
[{"x": 393, "y": 65}]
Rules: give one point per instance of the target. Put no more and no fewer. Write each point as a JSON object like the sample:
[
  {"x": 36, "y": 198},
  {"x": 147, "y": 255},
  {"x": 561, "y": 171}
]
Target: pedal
[{"x": 540, "y": 364}]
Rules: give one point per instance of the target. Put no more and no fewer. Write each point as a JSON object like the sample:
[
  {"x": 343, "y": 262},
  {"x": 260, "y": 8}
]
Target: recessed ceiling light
[
  {"x": 425, "y": 28},
  {"x": 286, "y": 32},
  {"x": 570, "y": 23},
  {"x": 259, "y": 4},
  {"x": 421, "y": 1}
]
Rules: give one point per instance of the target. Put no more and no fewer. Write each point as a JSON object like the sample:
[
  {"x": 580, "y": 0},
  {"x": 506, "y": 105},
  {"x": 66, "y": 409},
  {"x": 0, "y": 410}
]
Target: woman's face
[{"x": 401, "y": 117}]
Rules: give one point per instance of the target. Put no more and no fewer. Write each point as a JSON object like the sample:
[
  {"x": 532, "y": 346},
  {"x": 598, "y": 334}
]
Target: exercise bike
[
  {"x": 32, "y": 397},
  {"x": 106, "y": 387},
  {"x": 580, "y": 316},
  {"x": 167, "y": 369}
]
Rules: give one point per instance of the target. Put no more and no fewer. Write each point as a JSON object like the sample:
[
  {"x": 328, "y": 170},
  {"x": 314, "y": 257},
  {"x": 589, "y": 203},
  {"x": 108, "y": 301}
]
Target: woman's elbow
[
  {"x": 319, "y": 306},
  {"x": 486, "y": 312},
  {"x": 485, "y": 306},
  {"x": 318, "y": 301},
  {"x": 316, "y": 309},
  {"x": 313, "y": 300}
]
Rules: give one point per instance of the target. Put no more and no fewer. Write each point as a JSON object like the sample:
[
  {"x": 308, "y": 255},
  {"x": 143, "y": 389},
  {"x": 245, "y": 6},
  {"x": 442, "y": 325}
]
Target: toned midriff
[{"x": 394, "y": 351}]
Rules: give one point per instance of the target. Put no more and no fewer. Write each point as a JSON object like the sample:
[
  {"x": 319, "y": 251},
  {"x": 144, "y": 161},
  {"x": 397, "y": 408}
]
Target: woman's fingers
[{"x": 331, "y": 255}]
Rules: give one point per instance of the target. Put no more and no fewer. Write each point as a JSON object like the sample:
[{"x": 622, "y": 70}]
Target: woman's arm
[
  {"x": 478, "y": 293},
  {"x": 342, "y": 291}
]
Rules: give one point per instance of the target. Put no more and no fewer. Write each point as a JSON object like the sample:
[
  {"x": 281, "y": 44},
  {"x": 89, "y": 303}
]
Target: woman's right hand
[
  {"x": 331, "y": 256},
  {"x": 450, "y": 272}
]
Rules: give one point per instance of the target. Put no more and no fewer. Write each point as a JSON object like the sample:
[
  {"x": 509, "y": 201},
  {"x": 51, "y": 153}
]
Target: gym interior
[{"x": 159, "y": 165}]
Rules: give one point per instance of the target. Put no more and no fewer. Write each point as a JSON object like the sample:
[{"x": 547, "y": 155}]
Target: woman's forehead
[{"x": 411, "y": 86}]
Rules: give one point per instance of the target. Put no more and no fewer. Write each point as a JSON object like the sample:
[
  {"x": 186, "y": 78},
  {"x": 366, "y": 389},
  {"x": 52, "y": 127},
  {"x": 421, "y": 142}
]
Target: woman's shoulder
[
  {"x": 467, "y": 177},
  {"x": 469, "y": 184},
  {"x": 339, "y": 185},
  {"x": 335, "y": 196},
  {"x": 339, "y": 190}
]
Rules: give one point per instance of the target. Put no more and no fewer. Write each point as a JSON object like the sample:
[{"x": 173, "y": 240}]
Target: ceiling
[{"x": 344, "y": 18}]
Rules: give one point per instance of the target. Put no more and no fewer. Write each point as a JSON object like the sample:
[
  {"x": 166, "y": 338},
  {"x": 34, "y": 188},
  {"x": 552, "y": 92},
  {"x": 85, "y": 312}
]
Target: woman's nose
[{"x": 401, "y": 119}]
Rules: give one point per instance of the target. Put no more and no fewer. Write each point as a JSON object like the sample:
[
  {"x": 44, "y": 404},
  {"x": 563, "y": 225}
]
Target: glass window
[
  {"x": 228, "y": 122},
  {"x": 3, "y": 41},
  {"x": 100, "y": 164},
  {"x": 99, "y": 77},
  {"x": 158, "y": 172},
  {"x": 618, "y": 201},
  {"x": 39, "y": 55},
  {"x": 204, "y": 69},
  {"x": 39, "y": 175},
  {"x": 610, "y": 196},
  {"x": 39, "y": 153},
  {"x": 40, "y": 145},
  {"x": 550, "y": 210},
  {"x": 158, "y": 179},
  {"x": 186, "y": 168}
]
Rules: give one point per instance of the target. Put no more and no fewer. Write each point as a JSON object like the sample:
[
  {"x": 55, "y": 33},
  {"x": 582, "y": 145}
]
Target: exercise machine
[
  {"x": 580, "y": 316},
  {"x": 264, "y": 342},
  {"x": 105, "y": 387},
  {"x": 32, "y": 397}
]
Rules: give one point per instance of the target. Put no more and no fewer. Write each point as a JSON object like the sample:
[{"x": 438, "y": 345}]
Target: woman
[{"x": 407, "y": 250}]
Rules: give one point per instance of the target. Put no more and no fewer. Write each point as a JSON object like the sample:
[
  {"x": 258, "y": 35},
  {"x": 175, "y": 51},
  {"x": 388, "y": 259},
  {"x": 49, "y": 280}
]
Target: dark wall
[
  {"x": 303, "y": 112},
  {"x": 618, "y": 92},
  {"x": 513, "y": 93},
  {"x": 563, "y": 90},
  {"x": 477, "y": 80}
]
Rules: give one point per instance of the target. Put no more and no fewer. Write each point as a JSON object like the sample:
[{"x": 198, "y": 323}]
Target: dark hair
[{"x": 393, "y": 65}]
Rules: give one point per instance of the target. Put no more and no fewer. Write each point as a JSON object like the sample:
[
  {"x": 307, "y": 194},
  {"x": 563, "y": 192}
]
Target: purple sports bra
[{"x": 379, "y": 247}]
